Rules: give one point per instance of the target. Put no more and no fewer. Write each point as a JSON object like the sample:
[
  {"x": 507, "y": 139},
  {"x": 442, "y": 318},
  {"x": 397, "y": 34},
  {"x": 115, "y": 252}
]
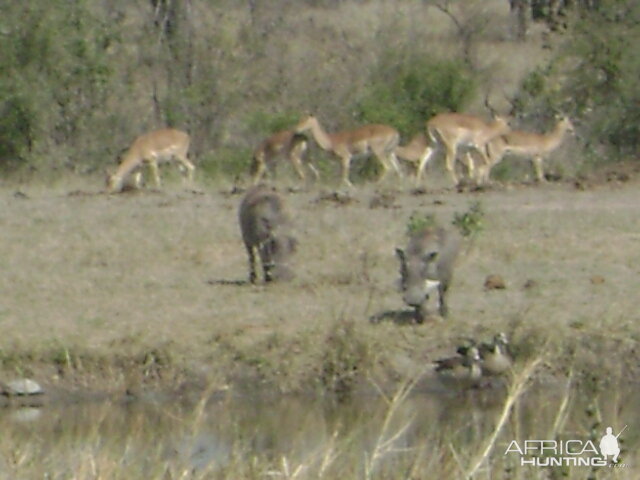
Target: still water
[{"x": 425, "y": 435}]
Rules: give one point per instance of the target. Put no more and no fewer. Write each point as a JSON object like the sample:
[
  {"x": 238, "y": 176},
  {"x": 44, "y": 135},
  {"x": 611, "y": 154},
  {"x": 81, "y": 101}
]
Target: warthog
[
  {"x": 426, "y": 264},
  {"x": 265, "y": 227}
]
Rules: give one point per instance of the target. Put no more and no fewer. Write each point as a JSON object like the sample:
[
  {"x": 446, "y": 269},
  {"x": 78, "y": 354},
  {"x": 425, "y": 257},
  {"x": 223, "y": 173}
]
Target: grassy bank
[{"x": 148, "y": 290}]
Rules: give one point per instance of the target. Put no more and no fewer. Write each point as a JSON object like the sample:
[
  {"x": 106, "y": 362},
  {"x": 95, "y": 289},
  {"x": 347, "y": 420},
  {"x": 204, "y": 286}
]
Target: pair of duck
[{"x": 475, "y": 361}]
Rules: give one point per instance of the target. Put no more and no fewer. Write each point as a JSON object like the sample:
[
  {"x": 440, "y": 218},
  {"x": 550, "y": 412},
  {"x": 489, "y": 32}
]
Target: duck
[
  {"x": 463, "y": 370},
  {"x": 496, "y": 358}
]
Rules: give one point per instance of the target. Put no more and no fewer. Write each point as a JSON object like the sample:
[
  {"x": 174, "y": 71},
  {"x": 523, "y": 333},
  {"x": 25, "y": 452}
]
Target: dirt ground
[{"x": 120, "y": 291}]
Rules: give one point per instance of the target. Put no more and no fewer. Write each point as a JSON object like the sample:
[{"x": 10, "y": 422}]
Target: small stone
[{"x": 21, "y": 387}]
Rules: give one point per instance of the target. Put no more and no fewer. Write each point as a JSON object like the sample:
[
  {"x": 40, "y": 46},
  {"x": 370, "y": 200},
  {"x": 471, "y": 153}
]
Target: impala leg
[
  {"x": 259, "y": 168},
  {"x": 346, "y": 165},
  {"x": 470, "y": 165},
  {"x": 537, "y": 165},
  {"x": 422, "y": 164},
  {"x": 314, "y": 170},
  {"x": 393, "y": 159},
  {"x": 188, "y": 165},
  {"x": 450, "y": 163},
  {"x": 382, "y": 159},
  {"x": 153, "y": 165},
  {"x": 297, "y": 165}
]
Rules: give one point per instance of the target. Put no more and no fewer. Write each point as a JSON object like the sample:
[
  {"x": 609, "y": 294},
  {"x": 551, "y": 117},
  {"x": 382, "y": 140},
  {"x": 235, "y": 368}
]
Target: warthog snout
[
  {"x": 426, "y": 265},
  {"x": 265, "y": 228}
]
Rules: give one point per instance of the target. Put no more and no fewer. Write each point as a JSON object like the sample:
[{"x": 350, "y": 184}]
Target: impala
[
  {"x": 525, "y": 144},
  {"x": 380, "y": 140},
  {"x": 281, "y": 144},
  {"x": 150, "y": 149},
  {"x": 415, "y": 151},
  {"x": 450, "y": 131}
]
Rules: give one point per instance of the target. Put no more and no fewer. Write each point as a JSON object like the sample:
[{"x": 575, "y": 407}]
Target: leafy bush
[
  {"x": 470, "y": 222},
  {"x": 266, "y": 124},
  {"x": 230, "y": 162},
  {"x": 594, "y": 77},
  {"x": 406, "y": 95},
  {"x": 418, "y": 222}
]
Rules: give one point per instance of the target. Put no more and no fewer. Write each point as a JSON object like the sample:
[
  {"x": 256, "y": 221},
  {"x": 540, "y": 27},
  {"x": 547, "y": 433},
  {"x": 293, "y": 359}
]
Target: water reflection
[{"x": 254, "y": 437}]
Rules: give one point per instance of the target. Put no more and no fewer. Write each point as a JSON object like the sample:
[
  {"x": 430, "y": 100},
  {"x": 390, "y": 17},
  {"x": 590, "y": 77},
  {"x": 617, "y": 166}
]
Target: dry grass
[{"x": 148, "y": 287}]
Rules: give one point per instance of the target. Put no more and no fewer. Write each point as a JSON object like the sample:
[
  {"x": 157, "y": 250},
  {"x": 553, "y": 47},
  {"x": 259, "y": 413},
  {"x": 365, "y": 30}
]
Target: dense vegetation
[{"x": 79, "y": 80}]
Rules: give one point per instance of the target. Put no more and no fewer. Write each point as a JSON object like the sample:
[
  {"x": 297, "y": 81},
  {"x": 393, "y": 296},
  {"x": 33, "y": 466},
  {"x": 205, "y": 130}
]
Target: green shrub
[
  {"x": 470, "y": 222},
  {"x": 418, "y": 222},
  {"x": 593, "y": 78},
  {"x": 230, "y": 162},
  {"x": 266, "y": 124},
  {"x": 406, "y": 95}
]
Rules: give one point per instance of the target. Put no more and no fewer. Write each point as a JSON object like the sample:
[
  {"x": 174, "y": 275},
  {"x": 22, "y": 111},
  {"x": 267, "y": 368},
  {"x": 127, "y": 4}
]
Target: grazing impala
[
  {"x": 525, "y": 144},
  {"x": 450, "y": 131},
  {"x": 381, "y": 140},
  {"x": 415, "y": 151},
  {"x": 281, "y": 144},
  {"x": 152, "y": 148}
]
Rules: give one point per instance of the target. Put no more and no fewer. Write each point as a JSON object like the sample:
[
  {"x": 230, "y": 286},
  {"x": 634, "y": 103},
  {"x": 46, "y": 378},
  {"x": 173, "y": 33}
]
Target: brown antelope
[
  {"x": 425, "y": 264},
  {"x": 524, "y": 144},
  {"x": 381, "y": 140},
  {"x": 450, "y": 131},
  {"x": 415, "y": 151},
  {"x": 150, "y": 149},
  {"x": 281, "y": 144},
  {"x": 265, "y": 227}
]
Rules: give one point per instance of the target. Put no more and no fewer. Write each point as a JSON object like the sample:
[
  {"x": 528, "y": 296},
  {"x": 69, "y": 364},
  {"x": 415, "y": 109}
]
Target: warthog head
[
  {"x": 426, "y": 265},
  {"x": 275, "y": 254}
]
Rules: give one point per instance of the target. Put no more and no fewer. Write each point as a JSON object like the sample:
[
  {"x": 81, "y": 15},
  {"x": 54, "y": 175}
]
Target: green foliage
[
  {"x": 229, "y": 162},
  {"x": 470, "y": 222},
  {"x": 406, "y": 95},
  {"x": 55, "y": 77},
  {"x": 594, "y": 78},
  {"x": 266, "y": 123},
  {"x": 419, "y": 221}
]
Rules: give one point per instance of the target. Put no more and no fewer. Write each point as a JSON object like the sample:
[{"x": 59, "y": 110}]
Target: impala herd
[{"x": 479, "y": 143}]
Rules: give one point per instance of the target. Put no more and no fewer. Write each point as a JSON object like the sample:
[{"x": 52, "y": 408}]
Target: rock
[{"x": 21, "y": 387}]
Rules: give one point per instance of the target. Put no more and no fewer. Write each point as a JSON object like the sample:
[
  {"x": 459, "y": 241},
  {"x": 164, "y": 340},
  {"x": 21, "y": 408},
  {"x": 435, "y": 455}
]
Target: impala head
[
  {"x": 114, "y": 182},
  {"x": 419, "y": 270},
  {"x": 305, "y": 124},
  {"x": 501, "y": 123},
  {"x": 565, "y": 124}
]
